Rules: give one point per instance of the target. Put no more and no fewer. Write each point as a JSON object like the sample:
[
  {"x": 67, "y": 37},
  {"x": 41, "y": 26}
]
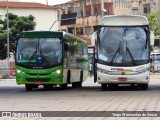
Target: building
[
  {"x": 142, "y": 7},
  {"x": 44, "y": 15},
  {"x": 81, "y": 17}
]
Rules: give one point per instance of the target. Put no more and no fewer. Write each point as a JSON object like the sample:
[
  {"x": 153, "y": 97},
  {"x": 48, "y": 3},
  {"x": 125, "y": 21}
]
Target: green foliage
[
  {"x": 3, "y": 46},
  {"x": 1, "y": 21},
  {"x": 153, "y": 20},
  {"x": 17, "y": 24},
  {"x": 12, "y": 16}
]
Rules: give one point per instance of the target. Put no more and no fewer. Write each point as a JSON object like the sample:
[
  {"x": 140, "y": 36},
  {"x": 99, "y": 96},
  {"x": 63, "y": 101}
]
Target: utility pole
[
  {"x": 47, "y": 2},
  {"x": 159, "y": 21},
  {"x": 7, "y": 33},
  {"x": 102, "y": 7}
]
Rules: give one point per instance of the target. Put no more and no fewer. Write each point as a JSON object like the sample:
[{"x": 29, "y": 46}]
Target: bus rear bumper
[{"x": 123, "y": 79}]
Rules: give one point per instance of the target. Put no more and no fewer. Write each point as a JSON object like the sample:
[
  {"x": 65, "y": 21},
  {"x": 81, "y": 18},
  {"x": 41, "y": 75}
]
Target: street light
[{"x": 60, "y": 20}]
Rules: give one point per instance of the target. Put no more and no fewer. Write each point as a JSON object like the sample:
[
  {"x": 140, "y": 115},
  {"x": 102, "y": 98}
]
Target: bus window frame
[{"x": 142, "y": 26}]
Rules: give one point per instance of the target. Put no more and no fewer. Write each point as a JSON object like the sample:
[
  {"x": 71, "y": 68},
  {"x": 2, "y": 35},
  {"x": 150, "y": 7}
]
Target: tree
[
  {"x": 3, "y": 45},
  {"x": 17, "y": 24},
  {"x": 153, "y": 20}
]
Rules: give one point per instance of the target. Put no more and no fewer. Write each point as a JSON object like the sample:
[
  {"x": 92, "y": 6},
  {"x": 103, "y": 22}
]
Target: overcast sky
[{"x": 50, "y": 2}]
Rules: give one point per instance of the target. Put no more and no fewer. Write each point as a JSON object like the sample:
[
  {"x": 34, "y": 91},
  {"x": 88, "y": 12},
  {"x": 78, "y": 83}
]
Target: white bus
[
  {"x": 123, "y": 55},
  {"x": 155, "y": 61}
]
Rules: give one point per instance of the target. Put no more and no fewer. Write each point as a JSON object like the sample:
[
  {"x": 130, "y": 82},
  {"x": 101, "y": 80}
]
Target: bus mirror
[
  {"x": 151, "y": 60},
  {"x": 94, "y": 38},
  {"x": 95, "y": 60},
  {"x": 151, "y": 38},
  {"x": 65, "y": 47}
]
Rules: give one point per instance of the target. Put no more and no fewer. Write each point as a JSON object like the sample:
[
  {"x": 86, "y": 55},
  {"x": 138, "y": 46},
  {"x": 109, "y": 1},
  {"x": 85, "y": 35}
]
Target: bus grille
[{"x": 38, "y": 79}]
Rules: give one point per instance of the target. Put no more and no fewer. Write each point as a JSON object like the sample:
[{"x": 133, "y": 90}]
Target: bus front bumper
[
  {"x": 41, "y": 80},
  {"x": 142, "y": 78}
]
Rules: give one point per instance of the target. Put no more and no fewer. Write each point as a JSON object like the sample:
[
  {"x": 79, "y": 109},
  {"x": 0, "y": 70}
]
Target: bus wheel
[
  {"x": 74, "y": 84},
  {"x": 68, "y": 77},
  {"x": 28, "y": 87},
  {"x": 112, "y": 86},
  {"x": 64, "y": 86},
  {"x": 47, "y": 86},
  {"x": 79, "y": 84},
  {"x": 144, "y": 86},
  {"x": 104, "y": 86}
]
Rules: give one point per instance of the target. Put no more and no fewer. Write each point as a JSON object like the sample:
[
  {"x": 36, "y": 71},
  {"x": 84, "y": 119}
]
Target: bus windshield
[
  {"x": 42, "y": 52},
  {"x": 123, "y": 46}
]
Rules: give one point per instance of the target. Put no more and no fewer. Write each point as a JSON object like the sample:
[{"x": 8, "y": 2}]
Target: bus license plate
[
  {"x": 122, "y": 79},
  {"x": 38, "y": 82}
]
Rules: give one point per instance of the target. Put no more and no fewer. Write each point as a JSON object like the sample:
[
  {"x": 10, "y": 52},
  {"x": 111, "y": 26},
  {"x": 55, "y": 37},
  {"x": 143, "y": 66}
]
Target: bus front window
[
  {"x": 39, "y": 52},
  {"x": 121, "y": 46}
]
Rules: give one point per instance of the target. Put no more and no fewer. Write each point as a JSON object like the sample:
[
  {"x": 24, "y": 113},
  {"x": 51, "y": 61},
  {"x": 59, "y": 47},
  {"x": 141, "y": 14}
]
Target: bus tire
[
  {"x": 74, "y": 84},
  {"x": 112, "y": 86},
  {"x": 104, "y": 86},
  {"x": 28, "y": 87},
  {"x": 79, "y": 84},
  {"x": 47, "y": 86},
  {"x": 69, "y": 77},
  {"x": 64, "y": 86},
  {"x": 144, "y": 86}
]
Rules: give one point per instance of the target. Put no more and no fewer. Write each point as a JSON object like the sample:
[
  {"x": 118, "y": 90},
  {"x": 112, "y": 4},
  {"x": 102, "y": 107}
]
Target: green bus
[{"x": 50, "y": 58}]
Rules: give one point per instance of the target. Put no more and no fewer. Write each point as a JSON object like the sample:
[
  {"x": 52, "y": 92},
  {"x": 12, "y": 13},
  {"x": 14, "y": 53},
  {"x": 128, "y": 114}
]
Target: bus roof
[
  {"x": 41, "y": 34},
  {"x": 124, "y": 20},
  {"x": 47, "y": 34},
  {"x": 73, "y": 36}
]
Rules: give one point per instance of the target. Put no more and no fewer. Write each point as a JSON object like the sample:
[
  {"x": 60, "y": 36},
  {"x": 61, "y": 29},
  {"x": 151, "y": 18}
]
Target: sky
[{"x": 50, "y": 2}]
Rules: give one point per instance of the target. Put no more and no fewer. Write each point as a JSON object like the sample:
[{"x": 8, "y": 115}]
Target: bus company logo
[
  {"x": 123, "y": 73},
  {"x": 6, "y": 114},
  {"x": 37, "y": 71}
]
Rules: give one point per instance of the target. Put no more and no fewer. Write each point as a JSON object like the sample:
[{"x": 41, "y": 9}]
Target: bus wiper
[
  {"x": 117, "y": 51},
  {"x": 130, "y": 54},
  {"x": 40, "y": 54}
]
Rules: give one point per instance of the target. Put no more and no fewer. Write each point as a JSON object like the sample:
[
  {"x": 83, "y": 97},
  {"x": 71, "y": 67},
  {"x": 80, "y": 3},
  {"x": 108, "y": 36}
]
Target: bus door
[{"x": 92, "y": 57}]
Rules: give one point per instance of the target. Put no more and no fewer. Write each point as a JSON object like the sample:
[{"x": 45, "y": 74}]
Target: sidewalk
[{"x": 155, "y": 77}]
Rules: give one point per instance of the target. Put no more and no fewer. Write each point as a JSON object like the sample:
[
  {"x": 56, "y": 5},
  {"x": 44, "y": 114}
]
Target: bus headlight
[
  {"x": 142, "y": 71},
  {"x": 19, "y": 71},
  {"x": 57, "y": 72},
  {"x": 102, "y": 70}
]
